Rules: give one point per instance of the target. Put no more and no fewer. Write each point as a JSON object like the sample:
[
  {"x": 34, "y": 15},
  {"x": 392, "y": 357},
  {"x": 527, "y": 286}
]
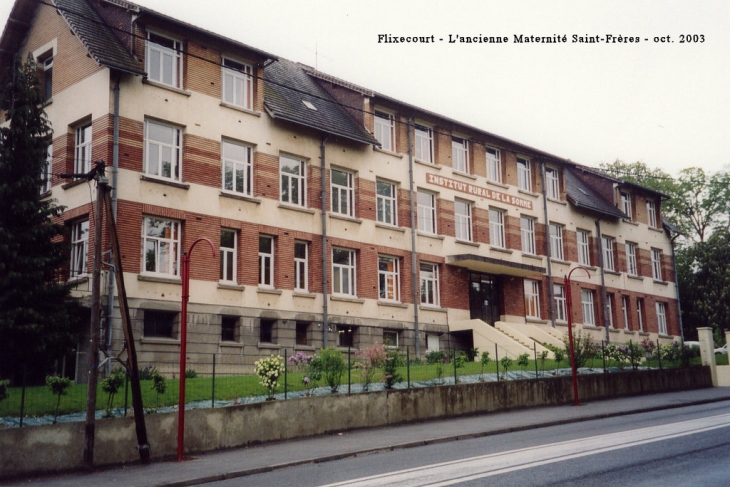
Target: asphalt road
[{"x": 679, "y": 447}]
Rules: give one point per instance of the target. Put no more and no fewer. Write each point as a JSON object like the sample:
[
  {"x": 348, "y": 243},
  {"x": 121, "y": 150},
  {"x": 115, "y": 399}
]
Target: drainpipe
[
  {"x": 112, "y": 269},
  {"x": 603, "y": 279},
  {"x": 414, "y": 256},
  {"x": 549, "y": 250},
  {"x": 323, "y": 197},
  {"x": 676, "y": 285}
]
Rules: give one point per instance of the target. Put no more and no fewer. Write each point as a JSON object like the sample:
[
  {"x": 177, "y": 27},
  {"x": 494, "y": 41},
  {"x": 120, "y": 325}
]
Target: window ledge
[
  {"x": 270, "y": 346},
  {"x": 528, "y": 193},
  {"x": 162, "y": 279},
  {"x": 531, "y": 319},
  {"x": 559, "y": 261},
  {"x": 629, "y": 332},
  {"x": 160, "y": 341},
  {"x": 431, "y": 235},
  {"x": 613, "y": 273},
  {"x": 76, "y": 280},
  {"x": 390, "y": 153},
  {"x": 240, "y": 109},
  {"x": 614, "y": 330},
  {"x": 644, "y": 333},
  {"x": 302, "y": 294},
  {"x": 664, "y": 335},
  {"x": 630, "y": 222},
  {"x": 592, "y": 327},
  {"x": 74, "y": 183},
  {"x": 467, "y": 242},
  {"x": 428, "y": 164},
  {"x": 45, "y": 194},
  {"x": 392, "y": 304},
  {"x": 302, "y": 209},
  {"x": 166, "y": 182},
  {"x": 166, "y": 87},
  {"x": 435, "y": 309},
  {"x": 265, "y": 290},
  {"x": 501, "y": 249},
  {"x": 235, "y": 196},
  {"x": 346, "y": 218},
  {"x": 632, "y": 276},
  {"x": 661, "y": 283},
  {"x": 230, "y": 286},
  {"x": 656, "y": 229},
  {"x": 532, "y": 256},
  {"x": 230, "y": 344},
  {"x": 346, "y": 299},
  {"x": 464, "y": 175},
  {"x": 308, "y": 348},
  {"x": 498, "y": 184},
  {"x": 557, "y": 201},
  {"x": 390, "y": 227}
]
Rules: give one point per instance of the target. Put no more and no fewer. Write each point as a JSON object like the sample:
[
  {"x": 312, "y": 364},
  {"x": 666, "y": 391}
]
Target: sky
[{"x": 666, "y": 104}]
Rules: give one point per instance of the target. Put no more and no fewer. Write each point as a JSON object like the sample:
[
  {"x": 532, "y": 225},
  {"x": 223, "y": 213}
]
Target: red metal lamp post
[
  {"x": 183, "y": 343},
  {"x": 569, "y": 303}
]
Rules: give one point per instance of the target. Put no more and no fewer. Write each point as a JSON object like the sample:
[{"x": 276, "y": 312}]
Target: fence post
[
  {"x": 631, "y": 354},
  {"x": 349, "y": 382},
  {"x": 659, "y": 353},
  {"x": 212, "y": 392},
  {"x": 534, "y": 348},
  {"x": 496, "y": 359},
  {"x": 603, "y": 354},
  {"x": 408, "y": 366},
  {"x": 22, "y": 398},
  {"x": 453, "y": 356},
  {"x": 286, "y": 369},
  {"x": 126, "y": 392}
]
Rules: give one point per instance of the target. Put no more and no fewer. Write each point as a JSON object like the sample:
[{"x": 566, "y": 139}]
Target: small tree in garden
[
  {"x": 635, "y": 354},
  {"x": 111, "y": 386},
  {"x": 58, "y": 387},
  {"x": 269, "y": 370},
  {"x": 4, "y": 394},
  {"x": 159, "y": 386},
  {"x": 506, "y": 364},
  {"x": 310, "y": 366},
  {"x": 559, "y": 354},
  {"x": 369, "y": 360},
  {"x": 390, "y": 368},
  {"x": 543, "y": 358},
  {"x": 522, "y": 361},
  {"x": 332, "y": 365},
  {"x": 484, "y": 360}
]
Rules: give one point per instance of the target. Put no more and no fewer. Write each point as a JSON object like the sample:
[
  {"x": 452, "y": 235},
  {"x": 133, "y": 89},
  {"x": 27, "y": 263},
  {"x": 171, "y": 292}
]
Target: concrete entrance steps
[
  {"x": 539, "y": 333},
  {"x": 486, "y": 337}
]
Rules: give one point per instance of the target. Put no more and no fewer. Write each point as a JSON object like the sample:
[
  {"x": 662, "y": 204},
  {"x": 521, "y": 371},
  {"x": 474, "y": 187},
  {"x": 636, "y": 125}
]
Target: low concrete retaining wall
[{"x": 55, "y": 448}]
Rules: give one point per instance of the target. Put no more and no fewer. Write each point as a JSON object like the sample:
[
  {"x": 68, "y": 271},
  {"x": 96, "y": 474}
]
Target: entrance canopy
[{"x": 493, "y": 266}]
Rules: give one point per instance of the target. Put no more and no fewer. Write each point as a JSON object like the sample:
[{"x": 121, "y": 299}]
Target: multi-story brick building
[{"x": 340, "y": 216}]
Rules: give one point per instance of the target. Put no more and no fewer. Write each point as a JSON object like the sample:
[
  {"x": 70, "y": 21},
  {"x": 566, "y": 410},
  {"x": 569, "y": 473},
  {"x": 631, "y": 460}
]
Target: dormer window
[
  {"x": 626, "y": 204},
  {"x": 424, "y": 143},
  {"x": 460, "y": 154},
  {"x": 552, "y": 180},
  {"x": 385, "y": 130},
  {"x": 164, "y": 60},
  {"x": 237, "y": 84}
]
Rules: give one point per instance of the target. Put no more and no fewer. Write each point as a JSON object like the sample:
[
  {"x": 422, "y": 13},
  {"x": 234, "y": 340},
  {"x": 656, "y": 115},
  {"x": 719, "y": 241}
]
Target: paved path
[{"x": 245, "y": 461}]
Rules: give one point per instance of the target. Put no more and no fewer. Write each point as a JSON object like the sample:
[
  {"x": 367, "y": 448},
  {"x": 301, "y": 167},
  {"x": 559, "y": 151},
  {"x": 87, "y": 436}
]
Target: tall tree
[{"x": 35, "y": 309}]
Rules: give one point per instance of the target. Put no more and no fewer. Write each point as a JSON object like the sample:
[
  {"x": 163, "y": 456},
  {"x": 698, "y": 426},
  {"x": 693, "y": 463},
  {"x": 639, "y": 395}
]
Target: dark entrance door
[{"x": 484, "y": 297}]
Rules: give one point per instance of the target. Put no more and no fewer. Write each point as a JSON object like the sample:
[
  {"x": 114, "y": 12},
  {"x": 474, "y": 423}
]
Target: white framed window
[
  {"x": 552, "y": 181},
  {"x": 661, "y": 317},
  {"x": 460, "y": 154},
  {"x": 462, "y": 220},
  {"x": 432, "y": 342},
  {"x": 47, "y": 174},
  {"x": 388, "y": 278},
  {"x": 45, "y": 62},
  {"x": 586, "y": 300},
  {"x": 385, "y": 130},
  {"x": 237, "y": 168},
  {"x": 82, "y": 149},
  {"x": 656, "y": 264},
  {"x": 292, "y": 180},
  {"x": 556, "y": 241},
  {"x": 79, "y": 248},
  {"x": 387, "y": 209},
  {"x": 266, "y": 261},
  {"x": 640, "y": 312},
  {"x": 391, "y": 338},
  {"x": 301, "y": 266},
  {"x": 607, "y": 248},
  {"x": 343, "y": 192},
  {"x": 163, "y": 150},
  {"x": 651, "y": 213},
  {"x": 524, "y": 174},
  {"x": 423, "y": 143},
  {"x": 494, "y": 165},
  {"x": 625, "y": 311},
  {"x": 527, "y": 234},
  {"x": 237, "y": 84},
  {"x": 429, "y": 277},
  {"x": 343, "y": 272},
  {"x": 532, "y": 298},
  {"x": 163, "y": 58},
  {"x": 561, "y": 313},
  {"x": 626, "y": 204},
  {"x": 609, "y": 309},
  {"x": 584, "y": 249},
  {"x": 496, "y": 228},
  {"x": 228, "y": 250},
  {"x": 426, "y": 212},
  {"x": 161, "y": 246},
  {"x": 631, "y": 266}
]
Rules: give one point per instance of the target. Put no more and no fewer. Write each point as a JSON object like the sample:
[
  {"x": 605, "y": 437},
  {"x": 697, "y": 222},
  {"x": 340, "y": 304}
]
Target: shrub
[
  {"x": 460, "y": 359},
  {"x": 269, "y": 369},
  {"x": 368, "y": 361},
  {"x": 484, "y": 361},
  {"x": 148, "y": 373},
  {"x": 159, "y": 386},
  {"x": 58, "y": 387},
  {"x": 4, "y": 394},
  {"x": 435, "y": 357},
  {"x": 390, "y": 367},
  {"x": 191, "y": 374},
  {"x": 332, "y": 366},
  {"x": 559, "y": 355},
  {"x": 111, "y": 386},
  {"x": 583, "y": 348},
  {"x": 506, "y": 364}
]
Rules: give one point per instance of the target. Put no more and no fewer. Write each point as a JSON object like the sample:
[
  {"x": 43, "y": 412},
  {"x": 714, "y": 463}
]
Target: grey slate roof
[
  {"x": 582, "y": 196},
  {"x": 288, "y": 86},
  {"x": 98, "y": 38}
]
